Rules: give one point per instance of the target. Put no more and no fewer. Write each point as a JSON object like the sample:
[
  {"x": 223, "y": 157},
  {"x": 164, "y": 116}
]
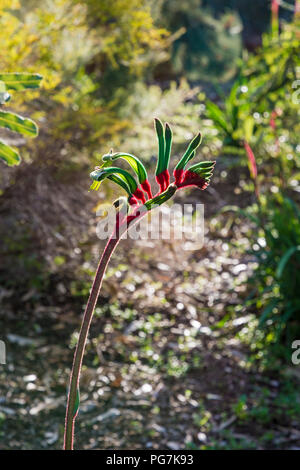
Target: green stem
[
  {"x": 161, "y": 198},
  {"x": 71, "y": 412},
  {"x": 78, "y": 356}
]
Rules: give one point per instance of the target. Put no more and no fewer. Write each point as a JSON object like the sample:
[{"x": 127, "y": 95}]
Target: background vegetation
[{"x": 188, "y": 349}]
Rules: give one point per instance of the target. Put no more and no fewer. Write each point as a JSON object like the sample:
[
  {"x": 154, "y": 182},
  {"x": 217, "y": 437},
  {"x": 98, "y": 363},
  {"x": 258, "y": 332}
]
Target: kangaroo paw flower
[{"x": 129, "y": 210}]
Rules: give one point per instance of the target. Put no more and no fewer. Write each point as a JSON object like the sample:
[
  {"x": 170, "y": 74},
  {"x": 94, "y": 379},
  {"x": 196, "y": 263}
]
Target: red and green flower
[{"x": 138, "y": 188}]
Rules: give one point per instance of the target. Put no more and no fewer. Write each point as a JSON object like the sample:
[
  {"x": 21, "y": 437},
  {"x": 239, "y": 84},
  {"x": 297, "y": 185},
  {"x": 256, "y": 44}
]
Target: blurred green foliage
[
  {"x": 265, "y": 85},
  {"x": 209, "y": 44},
  {"x": 263, "y": 109},
  {"x": 88, "y": 61},
  {"x": 109, "y": 67},
  {"x": 276, "y": 279},
  {"x": 12, "y": 121}
]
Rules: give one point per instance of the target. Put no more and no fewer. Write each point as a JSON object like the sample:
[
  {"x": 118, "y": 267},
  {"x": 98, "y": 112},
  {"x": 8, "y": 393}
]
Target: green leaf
[
  {"x": 133, "y": 161},
  {"x": 9, "y": 155},
  {"x": 268, "y": 311},
  {"x": 190, "y": 152},
  {"x": 232, "y": 98},
  {"x": 248, "y": 128},
  {"x": 17, "y": 123},
  {"x": 284, "y": 260},
  {"x": 219, "y": 118},
  {"x": 21, "y": 81}
]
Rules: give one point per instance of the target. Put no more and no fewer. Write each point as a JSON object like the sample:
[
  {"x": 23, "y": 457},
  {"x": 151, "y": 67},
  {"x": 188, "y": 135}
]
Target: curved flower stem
[
  {"x": 119, "y": 231},
  {"x": 78, "y": 356}
]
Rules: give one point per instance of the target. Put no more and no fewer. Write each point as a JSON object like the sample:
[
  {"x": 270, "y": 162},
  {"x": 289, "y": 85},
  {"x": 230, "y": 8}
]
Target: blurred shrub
[
  {"x": 278, "y": 273},
  {"x": 262, "y": 106},
  {"x": 129, "y": 36},
  {"x": 12, "y": 121},
  {"x": 276, "y": 279},
  {"x": 178, "y": 104},
  {"x": 98, "y": 59},
  {"x": 85, "y": 50},
  {"x": 210, "y": 44}
]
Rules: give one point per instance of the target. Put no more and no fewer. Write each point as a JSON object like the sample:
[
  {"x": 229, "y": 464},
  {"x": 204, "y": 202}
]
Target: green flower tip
[
  {"x": 168, "y": 133},
  {"x": 107, "y": 157},
  {"x": 203, "y": 169},
  {"x": 159, "y": 127},
  {"x": 190, "y": 152},
  {"x": 196, "y": 141}
]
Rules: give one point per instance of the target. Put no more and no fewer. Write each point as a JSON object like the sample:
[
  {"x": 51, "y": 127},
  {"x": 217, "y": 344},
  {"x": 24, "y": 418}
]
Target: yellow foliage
[{"x": 78, "y": 46}]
